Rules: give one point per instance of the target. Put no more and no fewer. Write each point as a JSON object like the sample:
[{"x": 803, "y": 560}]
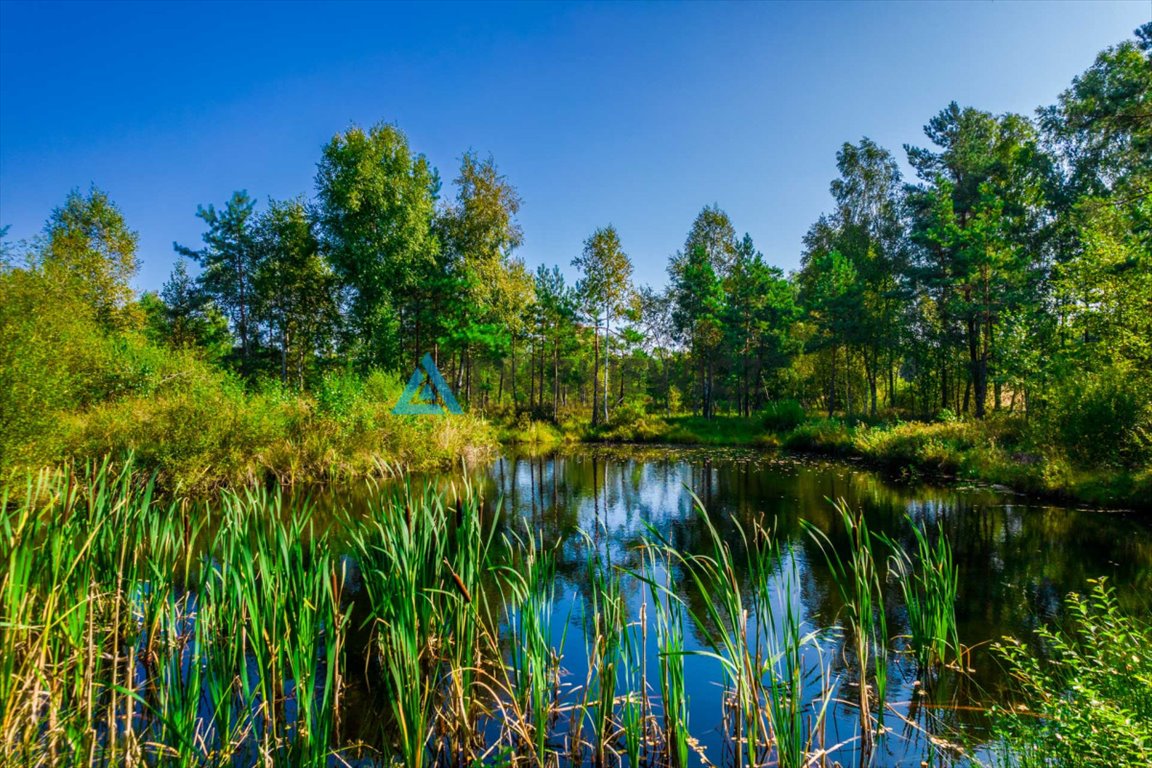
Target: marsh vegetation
[{"x": 560, "y": 611}]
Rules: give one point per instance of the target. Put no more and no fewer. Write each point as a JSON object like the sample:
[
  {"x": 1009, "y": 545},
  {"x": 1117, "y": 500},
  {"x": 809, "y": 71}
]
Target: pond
[{"x": 1017, "y": 559}]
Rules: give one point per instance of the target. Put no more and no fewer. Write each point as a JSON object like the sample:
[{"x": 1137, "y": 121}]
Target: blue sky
[{"x": 631, "y": 114}]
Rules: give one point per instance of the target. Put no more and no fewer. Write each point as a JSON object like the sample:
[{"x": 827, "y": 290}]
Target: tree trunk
[
  {"x": 596, "y": 373},
  {"x": 979, "y": 369},
  {"x": 283, "y": 354},
  {"x": 667, "y": 387},
  {"x": 607, "y": 353},
  {"x": 832, "y": 385},
  {"x": 872, "y": 373},
  {"x": 556, "y": 380},
  {"x": 944, "y": 402},
  {"x": 515, "y": 403},
  {"x": 891, "y": 381},
  {"x": 622, "y": 370}
]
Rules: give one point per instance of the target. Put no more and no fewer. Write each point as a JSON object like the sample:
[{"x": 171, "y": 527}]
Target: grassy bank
[
  {"x": 198, "y": 426},
  {"x": 1000, "y": 450},
  {"x": 201, "y": 430},
  {"x": 74, "y": 388}
]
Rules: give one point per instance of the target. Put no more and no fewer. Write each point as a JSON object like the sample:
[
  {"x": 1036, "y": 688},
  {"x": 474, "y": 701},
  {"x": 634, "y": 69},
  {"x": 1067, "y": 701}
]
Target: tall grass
[
  {"x": 605, "y": 622},
  {"x": 670, "y": 645},
  {"x": 858, "y": 582},
  {"x": 135, "y": 631},
  {"x": 770, "y": 712},
  {"x": 929, "y": 582},
  {"x": 131, "y": 635},
  {"x": 406, "y": 549},
  {"x": 534, "y": 661}
]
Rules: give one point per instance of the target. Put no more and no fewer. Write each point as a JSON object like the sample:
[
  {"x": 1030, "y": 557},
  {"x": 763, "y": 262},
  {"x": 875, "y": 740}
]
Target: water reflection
[{"x": 1017, "y": 559}]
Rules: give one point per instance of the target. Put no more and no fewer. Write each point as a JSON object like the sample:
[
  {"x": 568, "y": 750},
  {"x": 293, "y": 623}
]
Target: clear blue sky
[{"x": 633, "y": 114}]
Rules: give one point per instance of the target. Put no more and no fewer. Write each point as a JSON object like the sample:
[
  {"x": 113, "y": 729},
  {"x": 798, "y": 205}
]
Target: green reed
[
  {"x": 797, "y": 724},
  {"x": 929, "y": 581},
  {"x": 671, "y": 648},
  {"x": 533, "y": 680},
  {"x": 761, "y": 653},
  {"x": 401, "y": 557},
  {"x": 634, "y": 705},
  {"x": 858, "y": 581},
  {"x": 605, "y": 623},
  {"x": 146, "y": 632},
  {"x": 128, "y": 632},
  {"x": 470, "y": 565}
]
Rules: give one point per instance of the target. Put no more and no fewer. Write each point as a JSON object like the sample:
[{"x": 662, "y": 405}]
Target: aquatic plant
[
  {"x": 929, "y": 581},
  {"x": 858, "y": 581},
  {"x": 131, "y": 635}
]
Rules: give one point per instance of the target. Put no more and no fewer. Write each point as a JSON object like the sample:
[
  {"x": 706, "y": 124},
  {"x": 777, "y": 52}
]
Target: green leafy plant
[{"x": 1085, "y": 699}]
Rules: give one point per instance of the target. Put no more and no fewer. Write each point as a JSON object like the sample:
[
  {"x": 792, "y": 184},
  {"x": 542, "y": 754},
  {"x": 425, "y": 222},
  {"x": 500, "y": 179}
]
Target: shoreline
[{"x": 907, "y": 451}]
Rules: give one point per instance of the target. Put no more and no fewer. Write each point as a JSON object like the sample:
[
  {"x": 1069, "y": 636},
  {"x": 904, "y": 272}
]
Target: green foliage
[
  {"x": 88, "y": 245},
  {"x": 230, "y": 260},
  {"x": 1101, "y": 122},
  {"x": 822, "y": 435},
  {"x": 698, "y": 303},
  {"x": 376, "y": 201},
  {"x": 782, "y": 415},
  {"x": 338, "y": 393},
  {"x": 929, "y": 447},
  {"x": 1105, "y": 419},
  {"x": 853, "y": 273},
  {"x": 51, "y": 352},
  {"x": 604, "y": 287},
  {"x": 1086, "y": 697},
  {"x": 296, "y": 289},
  {"x": 976, "y": 215},
  {"x": 758, "y": 315},
  {"x": 947, "y": 416},
  {"x": 184, "y": 317}
]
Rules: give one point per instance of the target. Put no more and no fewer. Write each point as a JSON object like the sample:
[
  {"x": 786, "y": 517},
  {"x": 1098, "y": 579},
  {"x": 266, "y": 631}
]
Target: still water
[{"x": 1017, "y": 559}]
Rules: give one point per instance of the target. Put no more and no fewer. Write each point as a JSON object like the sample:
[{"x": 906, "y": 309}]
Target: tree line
[{"x": 1011, "y": 272}]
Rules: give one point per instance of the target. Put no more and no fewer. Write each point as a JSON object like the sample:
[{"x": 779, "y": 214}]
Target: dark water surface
[{"x": 1017, "y": 559}]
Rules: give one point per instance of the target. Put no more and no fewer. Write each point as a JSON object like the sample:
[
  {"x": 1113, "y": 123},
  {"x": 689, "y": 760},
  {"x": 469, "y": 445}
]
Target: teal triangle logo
[{"x": 427, "y": 393}]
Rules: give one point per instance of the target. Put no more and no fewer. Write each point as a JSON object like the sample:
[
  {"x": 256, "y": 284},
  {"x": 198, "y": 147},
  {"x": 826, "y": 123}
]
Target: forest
[{"x": 991, "y": 315}]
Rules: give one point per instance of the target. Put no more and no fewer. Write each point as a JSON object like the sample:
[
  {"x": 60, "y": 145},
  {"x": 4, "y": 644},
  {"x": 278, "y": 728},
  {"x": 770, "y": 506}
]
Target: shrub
[
  {"x": 782, "y": 416},
  {"x": 1105, "y": 419},
  {"x": 947, "y": 416},
  {"x": 629, "y": 413},
  {"x": 338, "y": 393},
  {"x": 938, "y": 446},
  {"x": 1088, "y": 702},
  {"x": 821, "y": 435}
]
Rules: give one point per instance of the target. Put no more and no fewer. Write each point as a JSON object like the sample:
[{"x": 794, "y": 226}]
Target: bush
[
  {"x": 828, "y": 435},
  {"x": 782, "y": 416},
  {"x": 338, "y": 393},
  {"x": 1088, "y": 702},
  {"x": 1105, "y": 419},
  {"x": 947, "y": 416},
  {"x": 629, "y": 413},
  {"x": 938, "y": 446}
]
